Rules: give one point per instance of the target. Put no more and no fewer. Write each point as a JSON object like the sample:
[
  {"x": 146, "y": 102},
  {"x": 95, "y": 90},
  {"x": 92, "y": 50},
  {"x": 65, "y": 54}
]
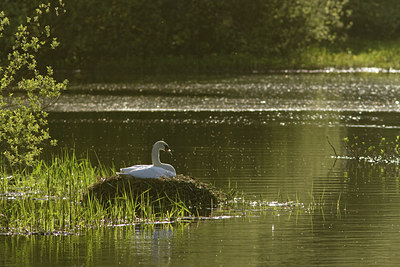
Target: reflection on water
[
  {"x": 265, "y": 135},
  {"x": 306, "y": 92}
]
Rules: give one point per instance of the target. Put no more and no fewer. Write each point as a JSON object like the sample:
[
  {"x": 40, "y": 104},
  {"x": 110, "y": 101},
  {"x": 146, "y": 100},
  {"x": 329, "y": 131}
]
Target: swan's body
[{"x": 156, "y": 170}]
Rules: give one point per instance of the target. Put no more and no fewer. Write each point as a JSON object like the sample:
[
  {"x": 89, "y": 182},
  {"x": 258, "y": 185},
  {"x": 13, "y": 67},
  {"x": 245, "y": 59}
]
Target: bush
[{"x": 24, "y": 91}]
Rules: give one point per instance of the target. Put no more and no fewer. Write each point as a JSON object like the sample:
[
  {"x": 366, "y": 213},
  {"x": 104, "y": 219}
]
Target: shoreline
[{"x": 376, "y": 58}]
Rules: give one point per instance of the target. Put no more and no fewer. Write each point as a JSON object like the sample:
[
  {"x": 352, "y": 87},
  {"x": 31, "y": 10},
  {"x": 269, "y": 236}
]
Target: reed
[
  {"x": 51, "y": 198},
  {"x": 47, "y": 198}
]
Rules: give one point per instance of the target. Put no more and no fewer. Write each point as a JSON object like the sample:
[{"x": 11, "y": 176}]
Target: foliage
[
  {"x": 25, "y": 91},
  {"x": 93, "y": 32},
  {"x": 374, "y": 19},
  {"x": 151, "y": 36}
]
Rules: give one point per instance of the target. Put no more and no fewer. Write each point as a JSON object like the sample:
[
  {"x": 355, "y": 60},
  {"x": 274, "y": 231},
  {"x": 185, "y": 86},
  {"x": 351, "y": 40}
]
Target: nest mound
[{"x": 193, "y": 193}]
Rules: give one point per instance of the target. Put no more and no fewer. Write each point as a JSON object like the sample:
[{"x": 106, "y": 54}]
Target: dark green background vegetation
[{"x": 207, "y": 35}]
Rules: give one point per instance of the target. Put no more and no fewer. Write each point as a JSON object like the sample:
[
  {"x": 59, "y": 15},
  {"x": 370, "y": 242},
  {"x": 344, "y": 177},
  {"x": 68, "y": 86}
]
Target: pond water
[{"x": 265, "y": 135}]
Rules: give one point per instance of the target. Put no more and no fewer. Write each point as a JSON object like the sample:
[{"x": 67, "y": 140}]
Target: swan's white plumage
[
  {"x": 156, "y": 170},
  {"x": 146, "y": 171}
]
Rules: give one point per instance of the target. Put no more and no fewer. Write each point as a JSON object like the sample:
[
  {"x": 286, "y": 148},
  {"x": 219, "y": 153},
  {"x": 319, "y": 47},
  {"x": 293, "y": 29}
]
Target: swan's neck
[{"x": 155, "y": 157}]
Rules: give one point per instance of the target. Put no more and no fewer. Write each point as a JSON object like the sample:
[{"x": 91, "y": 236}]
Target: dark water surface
[{"x": 264, "y": 134}]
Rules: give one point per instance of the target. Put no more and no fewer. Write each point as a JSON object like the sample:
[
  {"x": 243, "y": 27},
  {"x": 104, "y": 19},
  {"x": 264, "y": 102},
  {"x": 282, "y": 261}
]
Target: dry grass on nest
[{"x": 192, "y": 193}]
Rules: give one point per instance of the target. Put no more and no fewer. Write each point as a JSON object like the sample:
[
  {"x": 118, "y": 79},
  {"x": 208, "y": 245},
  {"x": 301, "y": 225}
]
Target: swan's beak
[{"x": 168, "y": 150}]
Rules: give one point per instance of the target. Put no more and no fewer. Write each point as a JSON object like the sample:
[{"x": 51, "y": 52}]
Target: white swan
[{"x": 156, "y": 170}]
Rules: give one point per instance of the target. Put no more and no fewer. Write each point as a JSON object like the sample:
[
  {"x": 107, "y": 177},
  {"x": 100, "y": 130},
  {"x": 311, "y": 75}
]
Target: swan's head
[{"x": 161, "y": 145}]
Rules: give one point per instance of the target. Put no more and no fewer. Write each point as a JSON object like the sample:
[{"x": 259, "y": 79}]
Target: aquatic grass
[
  {"x": 338, "y": 212},
  {"x": 47, "y": 198},
  {"x": 183, "y": 191},
  {"x": 380, "y": 151}
]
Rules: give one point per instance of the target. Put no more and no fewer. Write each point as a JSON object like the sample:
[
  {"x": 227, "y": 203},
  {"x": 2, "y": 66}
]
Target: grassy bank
[{"x": 354, "y": 54}]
